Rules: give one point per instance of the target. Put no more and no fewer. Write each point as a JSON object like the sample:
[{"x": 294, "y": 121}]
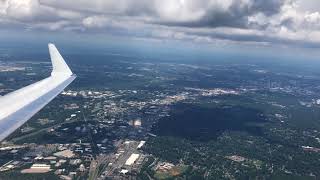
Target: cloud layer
[{"x": 265, "y": 22}]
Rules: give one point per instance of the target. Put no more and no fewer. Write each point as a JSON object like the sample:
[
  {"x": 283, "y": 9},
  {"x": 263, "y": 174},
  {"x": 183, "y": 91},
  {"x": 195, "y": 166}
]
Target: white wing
[{"x": 19, "y": 106}]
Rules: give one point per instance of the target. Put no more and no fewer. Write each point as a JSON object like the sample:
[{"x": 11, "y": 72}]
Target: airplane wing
[{"x": 19, "y": 106}]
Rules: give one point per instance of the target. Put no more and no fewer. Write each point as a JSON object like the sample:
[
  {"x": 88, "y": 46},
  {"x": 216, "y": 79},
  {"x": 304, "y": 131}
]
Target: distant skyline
[{"x": 235, "y": 24}]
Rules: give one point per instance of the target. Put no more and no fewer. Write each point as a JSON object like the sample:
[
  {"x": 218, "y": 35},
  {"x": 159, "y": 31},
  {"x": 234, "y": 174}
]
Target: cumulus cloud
[
  {"x": 247, "y": 21},
  {"x": 33, "y": 11}
]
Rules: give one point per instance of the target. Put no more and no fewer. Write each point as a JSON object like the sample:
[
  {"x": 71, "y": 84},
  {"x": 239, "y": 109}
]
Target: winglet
[{"x": 59, "y": 66}]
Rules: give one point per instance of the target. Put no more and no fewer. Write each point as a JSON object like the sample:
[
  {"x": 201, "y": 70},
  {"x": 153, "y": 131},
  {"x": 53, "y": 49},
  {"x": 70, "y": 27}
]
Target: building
[
  {"x": 66, "y": 154},
  {"x": 132, "y": 159},
  {"x": 37, "y": 168},
  {"x": 141, "y": 144}
]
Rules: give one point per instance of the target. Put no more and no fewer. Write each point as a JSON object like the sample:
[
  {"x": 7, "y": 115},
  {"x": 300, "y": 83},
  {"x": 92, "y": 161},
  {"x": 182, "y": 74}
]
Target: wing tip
[
  {"x": 51, "y": 45},
  {"x": 58, "y": 63}
]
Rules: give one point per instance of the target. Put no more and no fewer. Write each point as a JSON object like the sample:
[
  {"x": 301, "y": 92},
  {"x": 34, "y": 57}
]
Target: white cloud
[
  {"x": 247, "y": 21},
  {"x": 95, "y": 21}
]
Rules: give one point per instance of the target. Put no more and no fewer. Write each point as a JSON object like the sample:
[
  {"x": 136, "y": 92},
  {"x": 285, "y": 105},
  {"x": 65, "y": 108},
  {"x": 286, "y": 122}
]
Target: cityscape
[{"x": 146, "y": 120}]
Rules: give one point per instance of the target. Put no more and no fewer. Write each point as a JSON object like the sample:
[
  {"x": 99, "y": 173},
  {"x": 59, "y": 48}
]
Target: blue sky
[{"x": 272, "y": 27}]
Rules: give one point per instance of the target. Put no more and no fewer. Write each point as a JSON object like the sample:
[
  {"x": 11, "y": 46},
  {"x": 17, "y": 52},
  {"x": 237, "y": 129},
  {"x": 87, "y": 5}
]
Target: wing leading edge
[{"x": 19, "y": 106}]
